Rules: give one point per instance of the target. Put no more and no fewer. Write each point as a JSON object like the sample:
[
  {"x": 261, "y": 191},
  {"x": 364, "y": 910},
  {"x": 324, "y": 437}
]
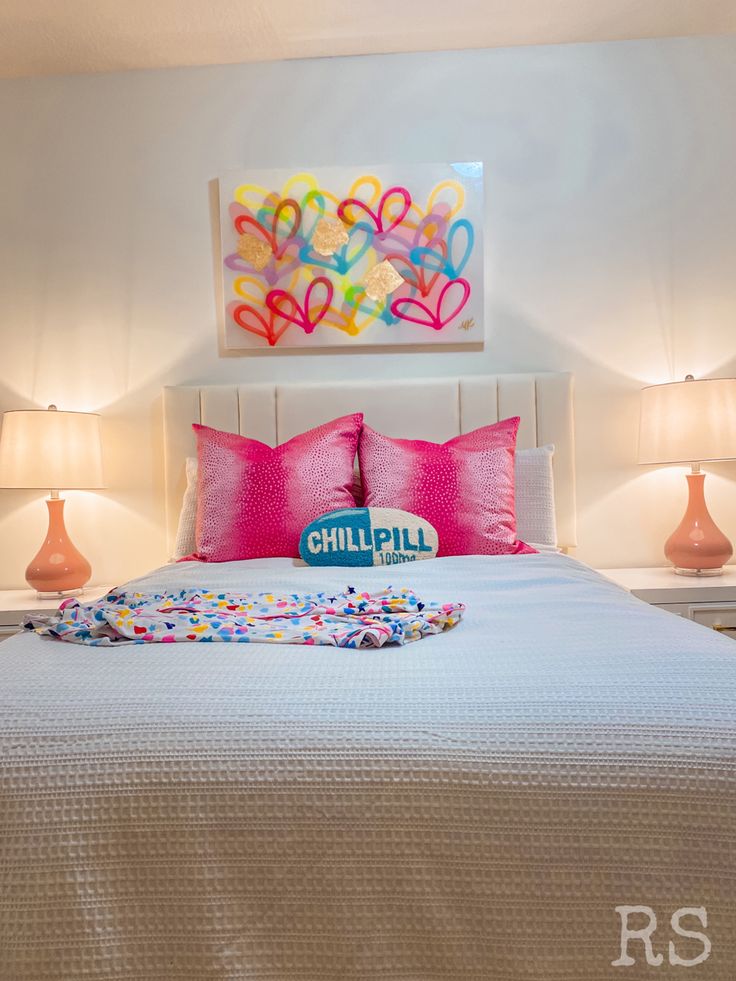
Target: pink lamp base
[
  {"x": 58, "y": 566},
  {"x": 697, "y": 547}
]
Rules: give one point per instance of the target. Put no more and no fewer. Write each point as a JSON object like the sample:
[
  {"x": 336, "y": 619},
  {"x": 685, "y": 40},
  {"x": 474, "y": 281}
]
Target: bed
[{"x": 472, "y": 806}]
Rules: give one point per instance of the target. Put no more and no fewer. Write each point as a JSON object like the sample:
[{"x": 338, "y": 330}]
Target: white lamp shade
[
  {"x": 48, "y": 449},
  {"x": 688, "y": 421}
]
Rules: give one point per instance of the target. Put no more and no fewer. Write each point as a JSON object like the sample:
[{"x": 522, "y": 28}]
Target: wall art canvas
[{"x": 353, "y": 256}]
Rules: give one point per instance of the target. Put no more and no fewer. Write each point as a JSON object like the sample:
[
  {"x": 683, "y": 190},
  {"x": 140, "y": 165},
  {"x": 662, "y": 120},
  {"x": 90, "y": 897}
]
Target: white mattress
[{"x": 472, "y": 806}]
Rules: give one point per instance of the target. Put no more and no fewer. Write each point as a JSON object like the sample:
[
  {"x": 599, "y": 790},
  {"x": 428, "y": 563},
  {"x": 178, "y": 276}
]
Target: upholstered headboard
[{"x": 427, "y": 408}]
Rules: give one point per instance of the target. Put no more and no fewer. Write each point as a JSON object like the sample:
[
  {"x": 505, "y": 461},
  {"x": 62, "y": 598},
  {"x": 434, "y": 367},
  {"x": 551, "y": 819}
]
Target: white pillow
[
  {"x": 186, "y": 532},
  {"x": 535, "y": 497},
  {"x": 535, "y": 502}
]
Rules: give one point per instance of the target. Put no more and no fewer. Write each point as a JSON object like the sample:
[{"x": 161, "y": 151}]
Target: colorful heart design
[
  {"x": 441, "y": 258},
  {"x": 302, "y": 316},
  {"x": 383, "y": 224},
  {"x": 432, "y": 228},
  {"x": 253, "y": 290},
  {"x": 367, "y": 188},
  {"x": 429, "y": 247},
  {"x": 314, "y": 206},
  {"x": 252, "y": 196},
  {"x": 439, "y": 317},
  {"x": 343, "y": 260},
  {"x": 346, "y": 318},
  {"x": 289, "y": 264},
  {"x": 246, "y": 224},
  {"x": 413, "y": 274},
  {"x": 355, "y": 296},
  {"x": 254, "y": 322},
  {"x": 405, "y": 238},
  {"x": 451, "y": 209},
  {"x": 278, "y": 239}
]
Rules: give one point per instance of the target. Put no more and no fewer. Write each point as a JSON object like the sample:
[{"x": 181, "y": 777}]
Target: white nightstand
[
  {"x": 16, "y": 603},
  {"x": 710, "y": 600}
]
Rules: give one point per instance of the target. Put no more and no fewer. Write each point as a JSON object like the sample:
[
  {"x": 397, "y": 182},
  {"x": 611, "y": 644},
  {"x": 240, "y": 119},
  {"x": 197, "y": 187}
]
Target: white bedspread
[{"x": 472, "y": 806}]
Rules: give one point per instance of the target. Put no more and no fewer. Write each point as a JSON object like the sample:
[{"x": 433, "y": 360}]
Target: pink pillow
[
  {"x": 254, "y": 501},
  {"x": 464, "y": 488}
]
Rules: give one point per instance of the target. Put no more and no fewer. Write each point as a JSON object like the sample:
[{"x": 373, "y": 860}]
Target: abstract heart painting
[{"x": 353, "y": 256}]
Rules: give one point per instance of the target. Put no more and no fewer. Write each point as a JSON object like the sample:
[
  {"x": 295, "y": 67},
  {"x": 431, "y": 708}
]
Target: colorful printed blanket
[{"x": 350, "y": 619}]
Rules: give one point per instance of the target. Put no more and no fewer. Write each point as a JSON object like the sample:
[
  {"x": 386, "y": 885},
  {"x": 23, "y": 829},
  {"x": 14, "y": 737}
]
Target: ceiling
[{"x": 42, "y": 37}]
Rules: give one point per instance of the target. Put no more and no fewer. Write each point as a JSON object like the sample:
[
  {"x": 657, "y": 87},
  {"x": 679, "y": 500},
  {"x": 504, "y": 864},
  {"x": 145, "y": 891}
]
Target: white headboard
[{"x": 428, "y": 408}]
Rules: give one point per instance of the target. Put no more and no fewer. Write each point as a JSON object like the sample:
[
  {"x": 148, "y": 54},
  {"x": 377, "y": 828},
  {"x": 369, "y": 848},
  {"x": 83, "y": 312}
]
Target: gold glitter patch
[
  {"x": 255, "y": 251},
  {"x": 381, "y": 280},
  {"x": 329, "y": 236}
]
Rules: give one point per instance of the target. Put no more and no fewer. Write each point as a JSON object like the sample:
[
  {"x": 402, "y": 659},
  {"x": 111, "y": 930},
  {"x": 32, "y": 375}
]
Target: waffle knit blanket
[{"x": 474, "y": 807}]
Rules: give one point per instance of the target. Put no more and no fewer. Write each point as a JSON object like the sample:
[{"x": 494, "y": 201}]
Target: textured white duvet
[{"x": 472, "y": 806}]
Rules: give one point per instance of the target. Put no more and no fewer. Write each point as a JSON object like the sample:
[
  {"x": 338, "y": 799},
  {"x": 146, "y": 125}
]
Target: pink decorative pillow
[
  {"x": 464, "y": 488},
  {"x": 254, "y": 501}
]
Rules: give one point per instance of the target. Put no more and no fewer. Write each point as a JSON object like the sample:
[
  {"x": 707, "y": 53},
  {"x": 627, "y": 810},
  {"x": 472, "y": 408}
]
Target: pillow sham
[
  {"x": 464, "y": 487},
  {"x": 254, "y": 500},
  {"x": 186, "y": 531},
  {"x": 536, "y": 520}
]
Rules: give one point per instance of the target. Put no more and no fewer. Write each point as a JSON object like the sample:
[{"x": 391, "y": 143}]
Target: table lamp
[
  {"x": 690, "y": 422},
  {"x": 44, "y": 449}
]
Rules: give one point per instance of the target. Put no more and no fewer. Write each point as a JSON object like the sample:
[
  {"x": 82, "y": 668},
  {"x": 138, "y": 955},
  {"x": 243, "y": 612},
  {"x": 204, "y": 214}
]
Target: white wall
[{"x": 610, "y": 243}]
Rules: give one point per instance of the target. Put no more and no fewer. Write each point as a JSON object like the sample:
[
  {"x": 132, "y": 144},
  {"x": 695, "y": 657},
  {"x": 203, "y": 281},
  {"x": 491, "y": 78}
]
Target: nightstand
[
  {"x": 710, "y": 600},
  {"x": 16, "y": 603}
]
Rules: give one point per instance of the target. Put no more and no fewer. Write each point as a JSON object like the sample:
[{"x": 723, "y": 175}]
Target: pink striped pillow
[
  {"x": 253, "y": 501},
  {"x": 464, "y": 488}
]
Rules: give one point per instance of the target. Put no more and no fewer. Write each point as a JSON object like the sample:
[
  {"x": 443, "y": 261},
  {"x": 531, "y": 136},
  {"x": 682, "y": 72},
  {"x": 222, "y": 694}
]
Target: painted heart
[
  {"x": 308, "y": 316},
  {"x": 246, "y": 224},
  {"x": 140, "y": 630},
  {"x": 281, "y": 234},
  {"x": 253, "y": 290},
  {"x": 367, "y": 187},
  {"x": 254, "y": 322},
  {"x": 448, "y": 307},
  {"x": 414, "y": 275},
  {"x": 342, "y": 261},
  {"x": 250, "y": 319},
  {"x": 250, "y": 197},
  {"x": 289, "y": 265},
  {"x": 314, "y": 207},
  {"x": 444, "y": 257},
  {"x": 355, "y": 296},
  {"x": 450, "y": 188},
  {"x": 383, "y": 223},
  {"x": 346, "y": 318},
  {"x": 431, "y": 229}
]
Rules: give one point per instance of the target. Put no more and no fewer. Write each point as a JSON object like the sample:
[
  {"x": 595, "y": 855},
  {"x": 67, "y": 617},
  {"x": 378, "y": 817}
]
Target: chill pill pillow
[{"x": 367, "y": 536}]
